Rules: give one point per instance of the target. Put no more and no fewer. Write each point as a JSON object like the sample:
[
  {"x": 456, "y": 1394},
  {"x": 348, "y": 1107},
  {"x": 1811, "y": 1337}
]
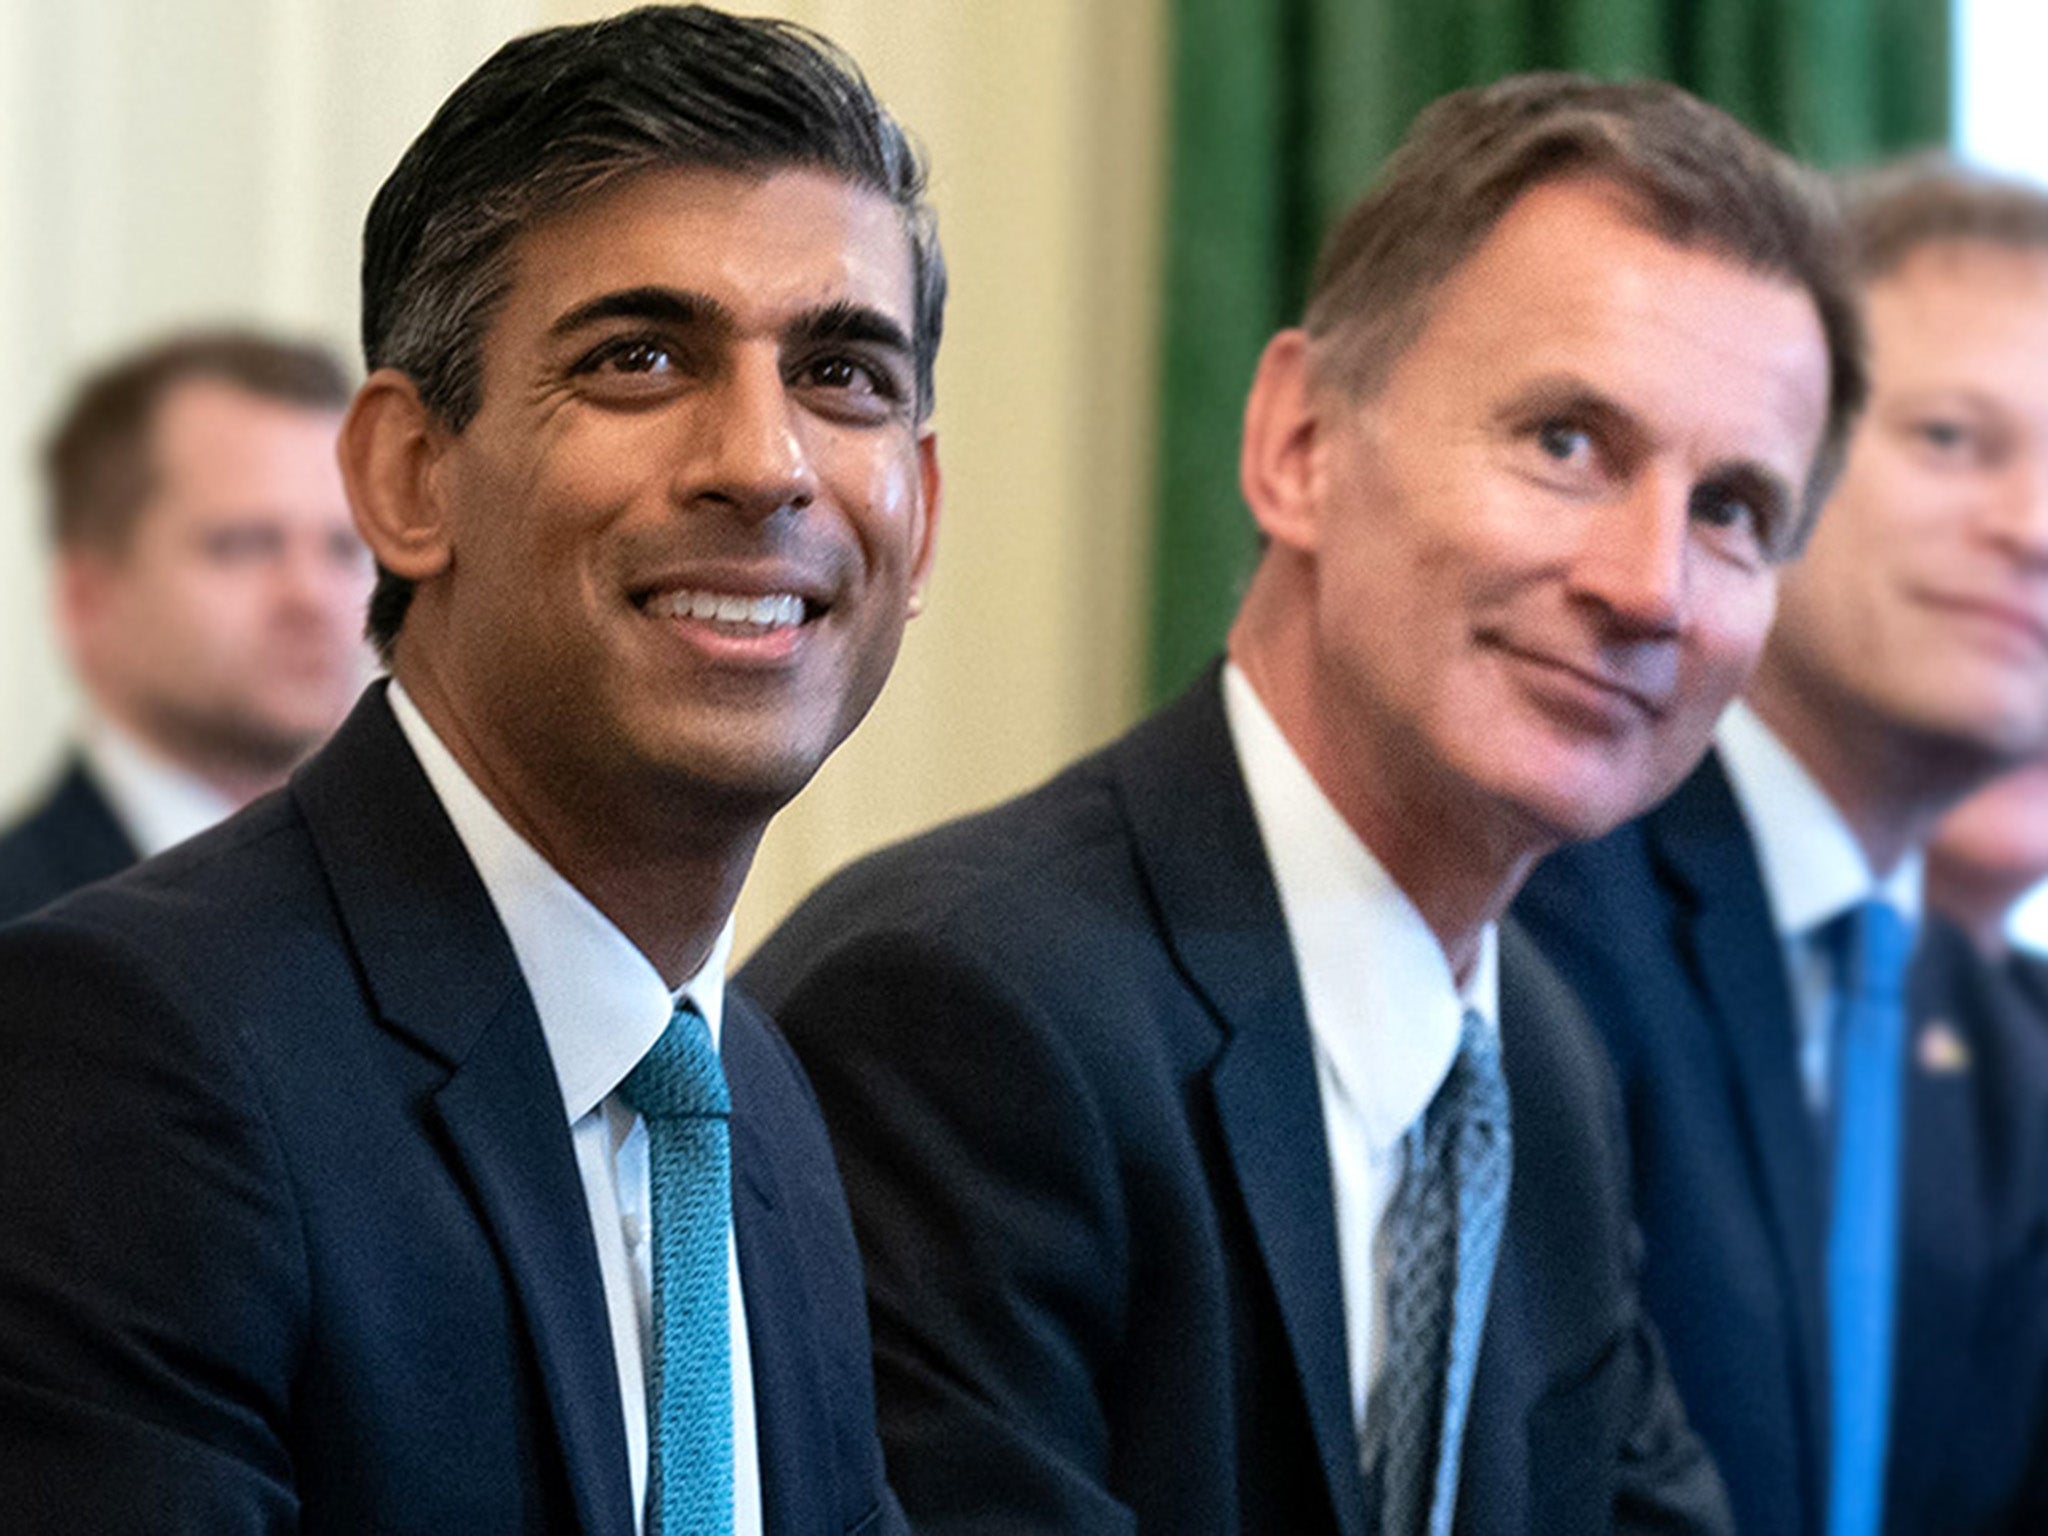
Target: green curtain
[{"x": 1283, "y": 109}]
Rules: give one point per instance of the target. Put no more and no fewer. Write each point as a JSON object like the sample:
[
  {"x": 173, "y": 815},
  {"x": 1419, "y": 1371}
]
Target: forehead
[
  {"x": 1963, "y": 314},
  {"x": 213, "y": 441},
  {"x": 763, "y": 247},
  {"x": 1571, "y": 283}
]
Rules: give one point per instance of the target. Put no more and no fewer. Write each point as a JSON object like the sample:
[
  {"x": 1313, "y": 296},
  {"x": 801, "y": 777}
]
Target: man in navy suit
[
  {"x": 210, "y": 593},
  {"x": 1909, "y": 664},
  {"x": 360, "y": 1161},
  {"x": 1143, "y": 1084}
]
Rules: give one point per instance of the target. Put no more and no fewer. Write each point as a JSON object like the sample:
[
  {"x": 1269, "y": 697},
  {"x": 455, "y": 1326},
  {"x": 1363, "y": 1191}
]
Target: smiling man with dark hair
[{"x": 396, "y": 1158}]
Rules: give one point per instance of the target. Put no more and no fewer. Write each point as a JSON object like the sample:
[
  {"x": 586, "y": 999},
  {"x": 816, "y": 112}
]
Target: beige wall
[{"x": 214, "y": 157}]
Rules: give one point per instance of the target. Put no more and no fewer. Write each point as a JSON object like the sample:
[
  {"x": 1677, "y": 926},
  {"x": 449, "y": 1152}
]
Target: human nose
[
  {"x": 1632, "y": 557},
  {"x": 752, "y": 456},
  {"x": 2016, "y": 511}
]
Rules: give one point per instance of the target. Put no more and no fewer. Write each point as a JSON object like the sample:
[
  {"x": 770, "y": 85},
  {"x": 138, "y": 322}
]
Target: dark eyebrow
[
  {"x": 1564, "y": 395},
  {"x": 847, "y": 321},
  {"x": 669, "y": 306}
]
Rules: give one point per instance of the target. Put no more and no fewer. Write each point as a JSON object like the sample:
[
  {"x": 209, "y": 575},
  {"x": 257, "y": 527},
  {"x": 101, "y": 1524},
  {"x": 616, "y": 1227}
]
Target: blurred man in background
[
  {"x": 210, "y": 589},
  {"x": 1844, "y": 1209}
]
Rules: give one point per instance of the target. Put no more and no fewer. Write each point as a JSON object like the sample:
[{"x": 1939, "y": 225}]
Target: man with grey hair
[
  {"x": 210, "y": 592},
  {"x": 395, "y": 1157},
  {"x": 1219, "y": 1163},
  {"x": 1843, "y": 1179}
]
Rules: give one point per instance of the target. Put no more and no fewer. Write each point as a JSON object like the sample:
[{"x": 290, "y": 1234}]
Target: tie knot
[
  {"x": 1872, "y": 945},
  {"x": 680, "y": 1075},
  {"x": 1476, "y": 1087}
]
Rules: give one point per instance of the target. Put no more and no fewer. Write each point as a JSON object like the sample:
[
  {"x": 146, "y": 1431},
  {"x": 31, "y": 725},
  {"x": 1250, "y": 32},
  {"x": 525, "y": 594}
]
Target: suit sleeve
[
  {"x": 985, "y": 1198},
  {"x": 152, "y": 1290}
]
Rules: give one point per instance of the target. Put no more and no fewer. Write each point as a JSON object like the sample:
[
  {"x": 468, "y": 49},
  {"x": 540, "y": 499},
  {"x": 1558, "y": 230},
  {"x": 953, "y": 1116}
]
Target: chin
[{"x": 1564, "y": 798}]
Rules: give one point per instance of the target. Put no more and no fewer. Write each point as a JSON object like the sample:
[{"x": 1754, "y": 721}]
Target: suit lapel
[
  {"x": 1731, "y": 944},
  {"x": 1946, "y": 1247},
  {"x": 1192, "y": 823},
  {"x": 442, "y": 974},
  {"x": 792, "y": 1424}
]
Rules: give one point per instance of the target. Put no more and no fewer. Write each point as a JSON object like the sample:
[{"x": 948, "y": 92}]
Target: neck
[
  {"x": 663, "y": 865},
  {"x": 1890, "y": 786},
  {"x": 1460, "y": 865},
  {"x": 237, "y": 779}
]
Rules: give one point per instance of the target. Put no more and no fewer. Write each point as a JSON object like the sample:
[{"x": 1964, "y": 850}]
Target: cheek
[
  {"x": 879, "y": 492},
  {"x": 1735, "y": 615}
]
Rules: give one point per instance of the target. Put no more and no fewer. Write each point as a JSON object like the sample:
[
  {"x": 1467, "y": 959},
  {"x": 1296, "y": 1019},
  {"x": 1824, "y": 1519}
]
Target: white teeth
[{"x": 779, "y": 610}]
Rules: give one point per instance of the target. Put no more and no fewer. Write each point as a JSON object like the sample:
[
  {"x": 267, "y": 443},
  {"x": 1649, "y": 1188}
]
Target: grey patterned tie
[{"x": 1444, "y": 1229}]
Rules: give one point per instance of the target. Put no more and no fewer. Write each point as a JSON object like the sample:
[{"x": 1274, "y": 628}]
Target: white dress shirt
[
  {"x": 157, "y": 803},
  {"x": 1813, "y": 869},
  {"x": 1384, "y": 1012},
  {"x": 602, "y": 1005}
]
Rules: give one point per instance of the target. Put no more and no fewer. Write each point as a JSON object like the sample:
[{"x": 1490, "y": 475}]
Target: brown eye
[{"x": 639, "y": 357}]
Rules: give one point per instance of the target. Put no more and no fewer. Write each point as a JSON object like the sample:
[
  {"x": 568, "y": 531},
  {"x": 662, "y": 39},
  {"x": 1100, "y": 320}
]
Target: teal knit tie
[{"x": 679, "y": 1090}]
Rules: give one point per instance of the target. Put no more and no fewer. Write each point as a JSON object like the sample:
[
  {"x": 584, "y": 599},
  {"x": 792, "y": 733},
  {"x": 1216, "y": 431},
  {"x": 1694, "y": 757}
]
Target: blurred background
[{"x": 1129, "y": 191}]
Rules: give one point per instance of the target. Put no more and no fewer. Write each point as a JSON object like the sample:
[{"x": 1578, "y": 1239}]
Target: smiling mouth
[
  {"x": 734, "y": 613},
  {"x": 2016, "y": 618},
  {"x": 1593, "y": 682}
]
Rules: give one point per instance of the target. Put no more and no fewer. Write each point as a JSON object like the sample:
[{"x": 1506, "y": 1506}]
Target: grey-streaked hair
[{"x": 1696, "y": 176}]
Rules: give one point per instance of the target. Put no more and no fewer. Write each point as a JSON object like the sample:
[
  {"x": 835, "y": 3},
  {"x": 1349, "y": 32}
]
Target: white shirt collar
[
  {"x": 601, "y": 1002},
  {"x": 157, "y": 803},
  {"x": 1813, "y": 867},
  {"x": 1382, "y": 1004}
]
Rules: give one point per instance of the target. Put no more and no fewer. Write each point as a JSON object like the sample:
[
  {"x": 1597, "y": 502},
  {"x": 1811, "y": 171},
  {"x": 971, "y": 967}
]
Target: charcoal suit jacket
[
  {"x": 291, "y": 1230},
  {"x": 1063, "y": 1053},
  {"x": 71, "y": 838}
]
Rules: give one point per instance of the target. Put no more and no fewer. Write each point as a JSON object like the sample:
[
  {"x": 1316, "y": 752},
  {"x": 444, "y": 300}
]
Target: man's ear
[
  {"x": 1278, "y": 463},
  {"x": 930, "y": 486},
  {"x": 389, "y": 444}
]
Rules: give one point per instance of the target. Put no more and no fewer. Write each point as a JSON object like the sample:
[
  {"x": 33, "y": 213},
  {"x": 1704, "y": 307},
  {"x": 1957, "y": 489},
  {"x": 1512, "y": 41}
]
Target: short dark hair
[
  {"x": 97, "y": 460},
  {"x": 558, "y": 114},
  {"x": 1695, "y": 176},
  {"x": 1895, "y": 210}
]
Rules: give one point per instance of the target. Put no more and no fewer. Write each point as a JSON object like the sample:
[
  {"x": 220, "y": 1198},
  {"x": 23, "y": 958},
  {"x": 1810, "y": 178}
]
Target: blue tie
[
  {"x": 679, "y": 1090},
  {"x": 1444, "y": 1227},
  {"x": 1872, "y": 942}
]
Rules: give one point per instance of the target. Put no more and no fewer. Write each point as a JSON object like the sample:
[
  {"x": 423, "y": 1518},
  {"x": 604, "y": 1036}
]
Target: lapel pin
[{"x": 1940, "y": 1050}]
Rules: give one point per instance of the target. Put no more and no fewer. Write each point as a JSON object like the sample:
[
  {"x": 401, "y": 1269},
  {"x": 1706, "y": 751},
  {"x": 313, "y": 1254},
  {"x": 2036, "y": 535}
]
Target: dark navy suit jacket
[
  {"x": 1063, "y": 1052},
  {"x": 1665, "y": 930},
  {"x": 69, "y": 840},
  {"x": 291, "y": 1230}
]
